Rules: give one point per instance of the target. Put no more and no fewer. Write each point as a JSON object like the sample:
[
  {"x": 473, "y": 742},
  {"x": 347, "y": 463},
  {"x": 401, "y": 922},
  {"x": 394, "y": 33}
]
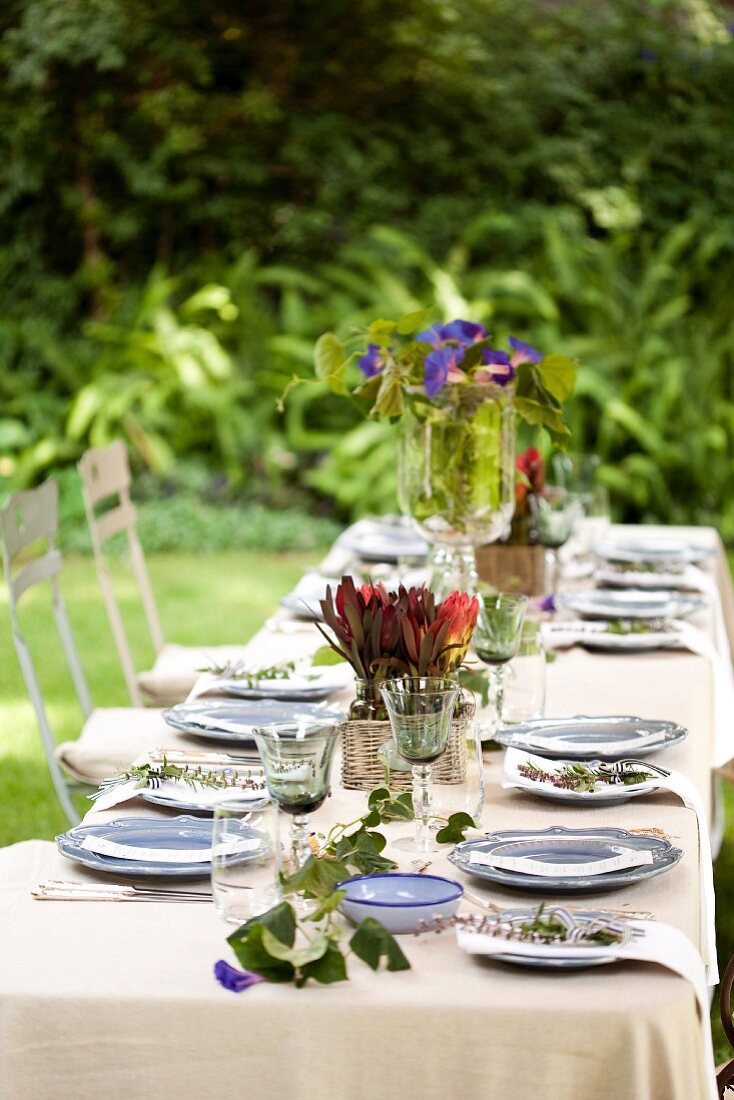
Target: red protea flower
[
  {"x": 383, "y": 633},
  {"x": 531, "y": 470}
]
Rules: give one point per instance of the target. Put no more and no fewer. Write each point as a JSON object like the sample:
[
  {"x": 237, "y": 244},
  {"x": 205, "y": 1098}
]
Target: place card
[
  {"x": 103, "y": 847},
  {"x": 529, "y": 865}
]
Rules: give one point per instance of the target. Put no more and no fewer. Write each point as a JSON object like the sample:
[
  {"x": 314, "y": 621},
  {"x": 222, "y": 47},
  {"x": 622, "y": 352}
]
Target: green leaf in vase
[
  {"x": 390, "y": 400},
  {"x": 412, "y": 322},
  {"x": 372, "y": 941},
  {"x": 381, "y": 332},
  {"x": 557, "y": 373},
  {"x": 330, "y": 361}
]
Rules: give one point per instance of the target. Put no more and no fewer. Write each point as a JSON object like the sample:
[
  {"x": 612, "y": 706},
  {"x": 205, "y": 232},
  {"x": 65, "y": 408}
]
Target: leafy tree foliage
[{"x": 188, "y": 195}]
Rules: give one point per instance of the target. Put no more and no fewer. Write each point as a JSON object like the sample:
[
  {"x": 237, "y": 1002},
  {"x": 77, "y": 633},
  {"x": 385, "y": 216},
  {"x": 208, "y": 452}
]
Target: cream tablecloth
[{"x": 120, "y": 1000}]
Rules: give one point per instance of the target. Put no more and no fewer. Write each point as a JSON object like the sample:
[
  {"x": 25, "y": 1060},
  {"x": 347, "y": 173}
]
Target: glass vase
[{"x": 456, "y": 475}]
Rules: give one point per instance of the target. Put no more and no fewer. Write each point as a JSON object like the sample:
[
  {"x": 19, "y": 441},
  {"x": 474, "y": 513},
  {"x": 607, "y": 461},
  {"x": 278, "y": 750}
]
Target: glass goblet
[
  {"x": 420, "y": 710},
  {"x": 576, "y": 472},
  {"x": 554, "y": 513},
  {"x": 496, "y": 638},
  {"x": 296, "y": 758}
]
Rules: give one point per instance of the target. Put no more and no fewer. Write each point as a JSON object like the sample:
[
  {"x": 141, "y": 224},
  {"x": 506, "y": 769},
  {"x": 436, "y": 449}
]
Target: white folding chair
[
  {"x": 106, "y": 480},
  {"x": 28, "y": 518}
]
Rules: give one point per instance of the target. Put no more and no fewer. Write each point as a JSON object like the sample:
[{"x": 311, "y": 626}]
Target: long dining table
[{"x": 103, "y": 998}]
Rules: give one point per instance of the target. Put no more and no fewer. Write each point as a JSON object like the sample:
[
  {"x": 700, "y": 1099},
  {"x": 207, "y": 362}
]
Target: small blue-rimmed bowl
[{"x": 399, "y": 901}]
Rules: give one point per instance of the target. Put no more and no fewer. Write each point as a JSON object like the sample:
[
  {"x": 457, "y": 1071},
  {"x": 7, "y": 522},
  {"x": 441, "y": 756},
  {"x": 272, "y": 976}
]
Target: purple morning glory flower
[
  {"x": 465, "y": 333},
  {"x": 234, "y": 979},
  {"x": 373, "y": 361},
  {"x": 437, "y": 366},
  {"x": 524, "y": 353},
  {"x": 548, "y": 603},
  {"x": 502, "y": 370}
]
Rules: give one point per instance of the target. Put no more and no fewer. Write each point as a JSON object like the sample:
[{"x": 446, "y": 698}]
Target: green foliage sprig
[
  {"x": 148, "y": 774},
  {"x": 583, "y": 778},
  {"x": 281, "y": 946}
]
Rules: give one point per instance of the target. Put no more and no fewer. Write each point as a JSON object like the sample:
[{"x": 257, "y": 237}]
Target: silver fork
[{"x": 57, "y": 890}]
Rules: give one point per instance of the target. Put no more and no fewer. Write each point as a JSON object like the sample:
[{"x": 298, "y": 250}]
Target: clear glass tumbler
[
  {"x": 525, "y": 678},
  {"x": 466, "y": 794},
  {"x": 246, "y": 859}
]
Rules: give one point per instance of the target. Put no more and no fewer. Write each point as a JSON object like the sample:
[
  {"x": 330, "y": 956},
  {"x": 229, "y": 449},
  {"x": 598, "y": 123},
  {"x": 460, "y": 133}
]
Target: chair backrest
[
  {"x": 28, "y": 518},
  {"x": 105, "y": 474}
]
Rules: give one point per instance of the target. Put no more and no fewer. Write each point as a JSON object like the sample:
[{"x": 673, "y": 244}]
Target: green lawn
[{"x": 214, "y": 598}]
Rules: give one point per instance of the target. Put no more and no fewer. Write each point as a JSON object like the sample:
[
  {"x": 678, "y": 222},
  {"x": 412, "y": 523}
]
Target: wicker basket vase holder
[
  {"x": 362, "y": 769},
  {"x": 513, "y": 568}
]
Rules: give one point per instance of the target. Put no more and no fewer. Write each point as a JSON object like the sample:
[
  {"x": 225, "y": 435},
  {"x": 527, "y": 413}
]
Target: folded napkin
[
  {"x": 568, "y": 632},
  {"x": 527, "y": 865},
  {"x": 678, "y": 784},
  {"x": 658, "y": 943},
  {"x": 175, "y": 789},
  {"x": 103, "y": 847},
  {"x": 691, "y": 577},
  {"x": 313, "y": 679}
]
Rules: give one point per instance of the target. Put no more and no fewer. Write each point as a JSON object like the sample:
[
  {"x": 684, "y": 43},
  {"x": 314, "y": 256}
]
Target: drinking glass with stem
[
  {"x": 296, "y": 758},
  {"x": 420, "y": 709},
  {"x": 496, "y": 640},
  {"x": 554, "y": 513}
]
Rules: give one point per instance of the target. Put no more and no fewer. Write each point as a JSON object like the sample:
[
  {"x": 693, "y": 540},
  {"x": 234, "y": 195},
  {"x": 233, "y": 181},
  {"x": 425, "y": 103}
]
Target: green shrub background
[{"x": 190, "y": 193}]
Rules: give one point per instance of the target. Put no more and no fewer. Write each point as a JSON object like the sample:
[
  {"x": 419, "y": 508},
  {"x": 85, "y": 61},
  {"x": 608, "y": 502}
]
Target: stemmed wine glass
[
  {"x": 420, "y": 710},
  {"x": 496, "y": 640},
  {"x": 554, "y": 512},
  {"x": 296, "y": 758}
]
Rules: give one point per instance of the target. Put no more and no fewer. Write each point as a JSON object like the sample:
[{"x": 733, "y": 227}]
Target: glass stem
[
  {"x": 499, "y": 692},
  {"x": 553, "y": 571},
  {"x": 454, "y": 568},
  {"x": 422, "y": 805},
  {"x": 300, "y": 847}
]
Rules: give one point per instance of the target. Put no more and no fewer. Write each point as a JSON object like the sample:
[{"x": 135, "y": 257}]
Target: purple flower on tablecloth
[
  {"x": 524, "y": 353},
  {"x": 372, "y": 361},
  {"x": 234, "y": 979},
  {"x": 441, "y": 366},
  {"x": 548, "y": 603}
]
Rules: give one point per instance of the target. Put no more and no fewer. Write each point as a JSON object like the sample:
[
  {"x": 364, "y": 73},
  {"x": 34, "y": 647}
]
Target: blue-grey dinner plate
[
  {"x": 144, "y": 832},
  {"x": 205, "y": 719},
  {"x": 560, "y": 845},
  {"x": 539, "y": 736}
]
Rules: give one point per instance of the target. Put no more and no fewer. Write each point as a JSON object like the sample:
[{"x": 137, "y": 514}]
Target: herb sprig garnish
[
  {"x": 636, "y": 626},
  {"x": 583, "y": 778},
  {"x": 282, "y": 946},
  {"x": 152, "y": 775},
  {"x": 554, "y": 926},
  {"x": 252, "y": 677}
]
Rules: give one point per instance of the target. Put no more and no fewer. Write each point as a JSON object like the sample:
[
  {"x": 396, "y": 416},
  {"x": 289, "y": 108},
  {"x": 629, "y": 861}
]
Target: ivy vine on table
[{"x": 283, "y": 946}]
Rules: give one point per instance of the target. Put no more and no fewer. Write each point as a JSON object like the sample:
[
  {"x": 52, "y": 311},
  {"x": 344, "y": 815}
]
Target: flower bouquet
[
  {"x": 384, "y": 634},
  {"x": 456, "y": 396}
]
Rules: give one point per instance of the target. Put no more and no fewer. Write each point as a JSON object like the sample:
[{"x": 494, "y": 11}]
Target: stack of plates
[
  {"x": 149, "y": 842},
  {"x": 582, "y": 738},
  {"x": 582, "y": 857},
  {"x": 631, "y": 603},
  {"x": 223, "y": 720},
  {"x": 656, "y": 551}
]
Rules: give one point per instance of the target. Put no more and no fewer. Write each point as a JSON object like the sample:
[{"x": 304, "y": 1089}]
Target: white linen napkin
[
  {"x": 691, "y": 638},
  {"x": 660, "y": 944},
  {"x": 103, "y": 847},
  {"x": 678, "y": 784},
  {"x": 568, "y": 632},
  {"x": 178, "y": 790},
  {"x": 527, "y": 865},
  {"x": 331, "y": 677}
]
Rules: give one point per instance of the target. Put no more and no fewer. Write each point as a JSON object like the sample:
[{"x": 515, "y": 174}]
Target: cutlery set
[{"x": 57, "y": 890}]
